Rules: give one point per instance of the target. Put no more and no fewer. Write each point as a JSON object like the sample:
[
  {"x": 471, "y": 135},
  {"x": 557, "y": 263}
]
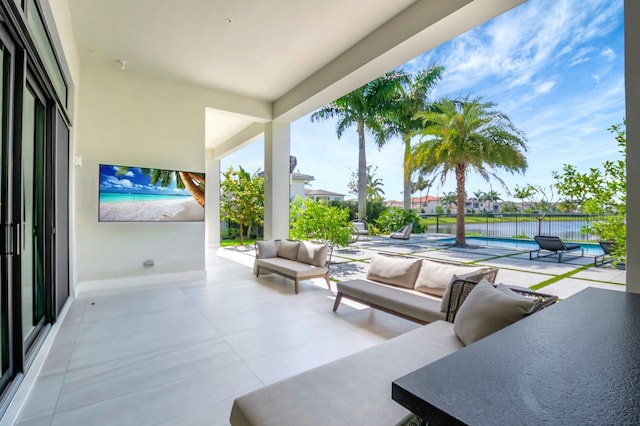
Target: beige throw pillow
[
  {"x": 266, "y": 249},
  {"x": 399, "y": 271},
  {"x": 488, "y": 309},
  {"x": 434, "y": 277},
  {"x": 288, "y": 249},
  {"x": 313, "y": 254}
]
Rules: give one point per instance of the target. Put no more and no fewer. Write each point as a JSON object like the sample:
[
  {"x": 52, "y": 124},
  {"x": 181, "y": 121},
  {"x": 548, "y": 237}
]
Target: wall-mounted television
[{"x": 138, "y": 194}]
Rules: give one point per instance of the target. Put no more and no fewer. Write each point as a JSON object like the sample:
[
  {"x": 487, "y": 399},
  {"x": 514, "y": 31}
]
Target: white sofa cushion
[
  {"x": 411, "y": 303},
  {"x": 292, "y": 268},
  {"x": 399, "y": 271},
  {"x": 312, "y": 254},
  {"x": 488, "y": 309},
  {"x": 288, "y": 249},
  {"x": 355, "y": 390},
  {"x": 434, "y": 277}
]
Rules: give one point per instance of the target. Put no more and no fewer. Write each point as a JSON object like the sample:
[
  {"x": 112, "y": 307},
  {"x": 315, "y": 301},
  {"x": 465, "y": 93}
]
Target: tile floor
[{"x": 180, "y": 353}]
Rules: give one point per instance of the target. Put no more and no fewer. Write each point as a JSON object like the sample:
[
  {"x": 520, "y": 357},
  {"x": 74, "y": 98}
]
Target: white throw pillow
[
  {"x": 312, "y": 254},
  {"x": 488, "y": 309},
  {"x": 434, "y": 277},
  {"x": 399, "y": 271},
  {"x": 288, "y": 249},
  {"x": 266, "y": 249}
]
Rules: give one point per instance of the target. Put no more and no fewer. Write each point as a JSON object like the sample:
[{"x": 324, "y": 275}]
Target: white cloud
[
  {"x": 545, "y": 87},
  {"x": 113, "y": 181},
  {"x": 608, "y": 53}
]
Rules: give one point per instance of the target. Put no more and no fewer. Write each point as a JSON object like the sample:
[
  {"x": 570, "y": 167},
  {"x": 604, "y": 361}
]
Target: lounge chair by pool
[{"x": 555, "y": 246}]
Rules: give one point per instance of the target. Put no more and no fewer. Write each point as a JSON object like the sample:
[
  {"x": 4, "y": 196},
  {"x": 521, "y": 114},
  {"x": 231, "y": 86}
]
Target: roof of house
[
  {"x": 300, "y": 176},
  {"x": 321, "y": 192},
  {"x": 425, "y": 199}
]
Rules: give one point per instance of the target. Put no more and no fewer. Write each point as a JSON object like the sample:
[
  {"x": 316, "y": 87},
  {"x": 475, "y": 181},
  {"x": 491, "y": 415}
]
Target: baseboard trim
[{"x": 137, "y": 281}]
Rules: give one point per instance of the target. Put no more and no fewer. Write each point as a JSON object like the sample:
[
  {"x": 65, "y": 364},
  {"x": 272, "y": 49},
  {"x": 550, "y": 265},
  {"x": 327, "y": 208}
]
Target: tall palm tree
[
  {"x": 402, "y": 121},
  {"x": 363, "y": 108},
  {"x": 468, "y": 135}
]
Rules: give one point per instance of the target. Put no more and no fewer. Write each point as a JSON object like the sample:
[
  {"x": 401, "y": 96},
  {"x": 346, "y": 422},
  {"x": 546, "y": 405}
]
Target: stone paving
[{"x": 546, "y": 274}]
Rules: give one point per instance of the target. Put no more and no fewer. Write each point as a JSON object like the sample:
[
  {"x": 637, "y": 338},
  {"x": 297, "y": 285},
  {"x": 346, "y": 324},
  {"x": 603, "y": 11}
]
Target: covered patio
[
  {"x": 176, "y": 344},
  {"x": 181, "y": 351}
]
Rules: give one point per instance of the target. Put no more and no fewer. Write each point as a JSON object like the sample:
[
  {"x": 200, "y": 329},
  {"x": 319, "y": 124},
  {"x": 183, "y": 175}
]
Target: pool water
[{"x": 515, "y": 243}]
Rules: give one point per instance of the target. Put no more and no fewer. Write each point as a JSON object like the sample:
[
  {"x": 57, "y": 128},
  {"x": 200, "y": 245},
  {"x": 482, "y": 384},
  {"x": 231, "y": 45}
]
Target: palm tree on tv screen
[
  {"x": 363, "y": 108},
  {"x": 466, "y": 135},
  {"x": 191, "y": 181}
]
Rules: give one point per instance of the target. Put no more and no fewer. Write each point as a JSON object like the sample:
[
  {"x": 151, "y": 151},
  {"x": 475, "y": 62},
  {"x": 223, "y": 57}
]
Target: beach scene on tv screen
[{"x": 136, "y": 194}]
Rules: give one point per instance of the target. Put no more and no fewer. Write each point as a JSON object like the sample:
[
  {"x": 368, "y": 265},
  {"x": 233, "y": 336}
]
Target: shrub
[
  {"x": 316, "y": 220},
  {"x": 394, "y": 218},
  {"x": 374, "y": 209}
]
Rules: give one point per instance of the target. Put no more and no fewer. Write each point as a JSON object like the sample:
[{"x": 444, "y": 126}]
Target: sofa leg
[
  {"x": 328, "y": 282},
  {"x": 295, "y": 286},
  {"x": 337, "y": 303}
]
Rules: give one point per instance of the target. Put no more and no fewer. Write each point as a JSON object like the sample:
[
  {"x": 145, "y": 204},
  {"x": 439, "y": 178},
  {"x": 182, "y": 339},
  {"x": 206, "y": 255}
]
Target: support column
[
  {"x": 212, "y": 199},
  {"x": 632, "y": 91},
  {"x": 276, "y": 180}
]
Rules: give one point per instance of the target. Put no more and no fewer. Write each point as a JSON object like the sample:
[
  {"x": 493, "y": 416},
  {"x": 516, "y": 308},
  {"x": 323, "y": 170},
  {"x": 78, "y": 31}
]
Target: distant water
[{"x": 119, "y": 197}]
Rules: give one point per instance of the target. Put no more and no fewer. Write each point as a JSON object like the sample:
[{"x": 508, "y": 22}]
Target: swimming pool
[{"x": 515, "y": 243}]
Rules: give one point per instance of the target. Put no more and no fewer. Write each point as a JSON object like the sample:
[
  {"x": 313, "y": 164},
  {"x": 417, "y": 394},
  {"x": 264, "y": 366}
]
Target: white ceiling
[{"x": 295, "y": 54}]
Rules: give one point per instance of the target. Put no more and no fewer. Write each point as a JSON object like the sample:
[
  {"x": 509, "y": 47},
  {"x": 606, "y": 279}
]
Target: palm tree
[
  {"x": 193, "y": 182},
  {"x": 492, "y": 197},
  {"x": 448, "y": 199},
  {"x": 401, "y": 120},
  {"x": 374, "y": 184},
  {"x": 479, "y": 196},
  {"x": 522, "y": 193},
  {"x": 363, "y": 108},
  {"x": 420, "y": 185},
  {"x": 468, "y": 135}
]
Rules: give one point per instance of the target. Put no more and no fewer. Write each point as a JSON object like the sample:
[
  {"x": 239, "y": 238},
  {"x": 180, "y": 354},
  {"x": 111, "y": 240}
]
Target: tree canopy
[
  {"x": 468, "y": 135},
  {"x": 242, "y": 199}
]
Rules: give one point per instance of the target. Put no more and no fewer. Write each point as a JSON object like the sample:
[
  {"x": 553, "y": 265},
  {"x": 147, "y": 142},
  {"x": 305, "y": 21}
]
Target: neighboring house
[
  {"x": 321, "y": 194},
  {"x": 426, "y": 204},
  {"x": 298, "y": 183}
]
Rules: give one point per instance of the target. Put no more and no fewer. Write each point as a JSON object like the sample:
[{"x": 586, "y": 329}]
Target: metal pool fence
[{"x": 565, "y": 226}]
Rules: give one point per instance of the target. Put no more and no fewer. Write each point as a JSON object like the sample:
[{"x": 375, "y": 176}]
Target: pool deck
[{"x": 544, "y": 274}]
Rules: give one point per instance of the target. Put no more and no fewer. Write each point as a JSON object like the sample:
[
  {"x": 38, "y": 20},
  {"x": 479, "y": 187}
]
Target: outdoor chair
[
  {"x": 555, "y": 246},
  {"x": 604, "y": 258},
  {"x": 360, "y": 227},
  {"x": 404, "y": 233}
]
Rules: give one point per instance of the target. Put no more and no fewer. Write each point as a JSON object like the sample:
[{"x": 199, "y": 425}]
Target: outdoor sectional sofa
[
  {"x": 356, "y": 390},
  {"x": 412, "y": 288},
  {"x": 296, "y": 260}
]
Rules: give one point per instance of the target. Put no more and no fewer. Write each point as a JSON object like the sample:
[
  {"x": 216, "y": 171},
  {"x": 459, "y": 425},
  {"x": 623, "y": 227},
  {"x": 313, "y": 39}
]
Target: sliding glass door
[
  {"x": 7, "y": 229},
  {"x": 33, "y": 215}
]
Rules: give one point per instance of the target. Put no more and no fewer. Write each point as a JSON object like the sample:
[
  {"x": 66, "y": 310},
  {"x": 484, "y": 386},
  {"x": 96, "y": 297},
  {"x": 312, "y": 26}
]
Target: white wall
[
  {"x": 132, "y": 119},
  {"x": 297, "y": 189}
]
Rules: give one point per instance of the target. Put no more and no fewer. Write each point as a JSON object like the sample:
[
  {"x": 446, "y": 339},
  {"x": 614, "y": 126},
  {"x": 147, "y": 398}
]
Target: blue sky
[
  {"x": 555, "y": 67},
  {"x": 133, "y": 181}
]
